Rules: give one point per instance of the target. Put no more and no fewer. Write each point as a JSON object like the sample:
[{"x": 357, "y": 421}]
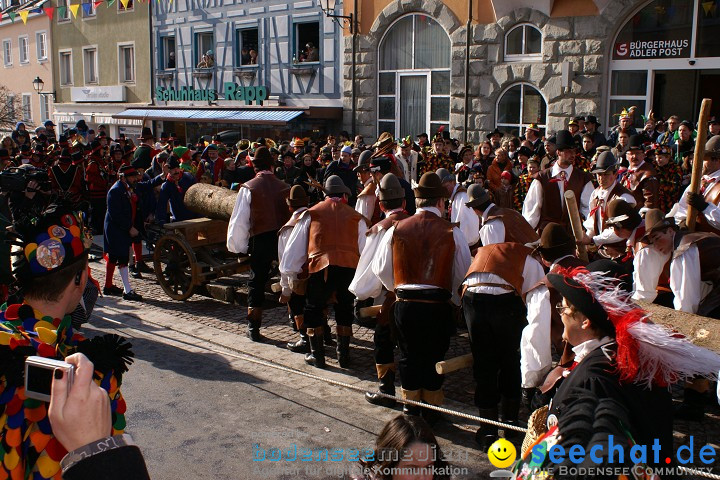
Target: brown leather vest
[
  {"x": 388, "y": 222},
  {"x": 506, "y": 260},
  {"x": 644, "y": 178},
  {"x": 712, "y": 195},
  {"x": 268, "y": 209},
  {"x": 423, "y": 251},
  {"x": 333, "y": 236},
  {"x": 553, "y": 209},
  {"x": 517, "y": 229},
  {"x": 708, "y": 245}
]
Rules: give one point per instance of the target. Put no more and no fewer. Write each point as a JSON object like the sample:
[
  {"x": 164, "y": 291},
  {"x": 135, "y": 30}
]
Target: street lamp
[
  {"x": 39, "y": 84},
  {"x": 328, "y": 6}
]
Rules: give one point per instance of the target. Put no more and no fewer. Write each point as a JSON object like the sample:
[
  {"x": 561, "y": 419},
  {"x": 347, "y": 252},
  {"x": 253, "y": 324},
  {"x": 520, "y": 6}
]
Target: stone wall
[{"x": 583, "y": 41}]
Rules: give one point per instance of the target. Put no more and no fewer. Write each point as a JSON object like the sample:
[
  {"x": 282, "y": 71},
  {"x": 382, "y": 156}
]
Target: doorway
[{"x": 680, "y": 92}]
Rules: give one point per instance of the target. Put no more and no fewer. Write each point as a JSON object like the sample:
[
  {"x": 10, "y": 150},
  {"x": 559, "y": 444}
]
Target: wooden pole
[
  {"x": 698, "y": 159},
  {"x": 455, "y": 363},
  {"x": 370, "y": 312},
  {"x": 575, "y": 223}
]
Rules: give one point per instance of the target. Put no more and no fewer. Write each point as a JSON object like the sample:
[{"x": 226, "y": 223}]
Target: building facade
[
  {"x": 102, "y": 63},
  {"x": 246, "y": 68},
  {"x": 539, "y": 61},
  {"x": 26, "y": 54}
]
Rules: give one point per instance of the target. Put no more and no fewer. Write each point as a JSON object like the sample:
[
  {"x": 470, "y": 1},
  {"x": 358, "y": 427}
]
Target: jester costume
[
  {"x": 28, "y": 450},
  {"x": 670, "y": 177},
  {"x": 521, "y": 190}
]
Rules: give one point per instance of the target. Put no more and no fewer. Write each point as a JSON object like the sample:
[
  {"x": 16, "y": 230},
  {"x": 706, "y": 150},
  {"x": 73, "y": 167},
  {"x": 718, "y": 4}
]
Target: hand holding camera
[{"x": 79, "y": 409}]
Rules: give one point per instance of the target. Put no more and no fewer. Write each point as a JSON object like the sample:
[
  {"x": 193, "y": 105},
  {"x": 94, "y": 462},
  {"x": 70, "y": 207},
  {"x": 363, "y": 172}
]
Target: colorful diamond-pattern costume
[{"x": 28, "y": 449}]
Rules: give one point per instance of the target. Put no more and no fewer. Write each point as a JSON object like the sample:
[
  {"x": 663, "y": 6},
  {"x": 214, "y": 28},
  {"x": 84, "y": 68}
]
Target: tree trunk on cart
[{"x": 211, "y": 201}]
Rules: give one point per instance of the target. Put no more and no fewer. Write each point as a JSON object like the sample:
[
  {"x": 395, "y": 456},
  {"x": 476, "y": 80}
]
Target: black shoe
[
  {"x": 411, "y": 410},
  {"x": 254, "y": 335},
  {"x": 487, "y": 434},
  {"x": 112, "y": 290},
  {"x": 132, "y": 295},
  {"x": 379, "y": 400},
  {"x": 301, "y": 346},
  {"x": 143, "y": 267},
  {"x": 254, "y": 322}
]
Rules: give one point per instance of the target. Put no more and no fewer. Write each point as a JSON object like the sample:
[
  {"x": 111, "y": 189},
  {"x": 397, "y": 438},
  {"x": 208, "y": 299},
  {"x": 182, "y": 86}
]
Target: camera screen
[{"x": 39, "y": 379}]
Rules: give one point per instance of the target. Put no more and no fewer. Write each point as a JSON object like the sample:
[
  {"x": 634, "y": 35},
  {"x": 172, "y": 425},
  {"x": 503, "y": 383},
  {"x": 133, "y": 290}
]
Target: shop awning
[{"x": 249, "y": 116}]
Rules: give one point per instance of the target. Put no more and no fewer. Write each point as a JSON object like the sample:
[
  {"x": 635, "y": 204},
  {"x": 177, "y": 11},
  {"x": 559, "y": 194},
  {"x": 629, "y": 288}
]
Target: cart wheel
[{"x": 175, "y": 266}]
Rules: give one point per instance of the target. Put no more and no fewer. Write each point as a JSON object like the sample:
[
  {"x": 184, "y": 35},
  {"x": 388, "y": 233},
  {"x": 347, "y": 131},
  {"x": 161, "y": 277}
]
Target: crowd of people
[{"x": 435, "y": 234}]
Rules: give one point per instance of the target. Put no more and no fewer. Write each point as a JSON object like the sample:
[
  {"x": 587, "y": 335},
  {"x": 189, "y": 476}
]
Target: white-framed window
[
  {"x": 63, "y": 12},
  {"x": 247, "y": 47},
  {"x": 306, "y": 41},
  {"x": 24, "y": 47},
  {"x": 88, "y": 9},
  {"x": 66, "y": 67},
  {"x": 204, "y": 47},
  {"x": 126, "y": 62},
  {"x": 414, "y": 77},
  {"x": 7, "y": 52},
  {"x": 169, "y": 59},
  {"x": 27, "y": 107},
  {"x": 90, "y": 65},
  {"x": 128, "y": 7},
  {"x": 519, "y": 106},
  {"x": 523, "y": 43},
  {"x": 44, "y": 107},
  {"x": 41, "y": 46}
]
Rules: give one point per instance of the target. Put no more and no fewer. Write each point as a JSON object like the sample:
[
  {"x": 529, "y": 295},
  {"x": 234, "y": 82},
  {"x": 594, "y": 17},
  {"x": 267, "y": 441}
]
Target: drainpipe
[
  {"x": 152, "y": 61},
  {"x": 468, "y": 36},
  {"x": 355, "y": 25}
]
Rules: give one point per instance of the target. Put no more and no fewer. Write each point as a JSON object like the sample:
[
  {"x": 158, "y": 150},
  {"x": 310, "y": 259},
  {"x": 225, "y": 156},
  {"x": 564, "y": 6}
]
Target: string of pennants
[{"x": 61, "y": 11}]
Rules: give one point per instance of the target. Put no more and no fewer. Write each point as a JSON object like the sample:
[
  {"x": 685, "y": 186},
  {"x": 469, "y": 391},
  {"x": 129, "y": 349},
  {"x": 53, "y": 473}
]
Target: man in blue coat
[
  {"x": 173, "y": 190},
  {"x": 120, "y": 232}
]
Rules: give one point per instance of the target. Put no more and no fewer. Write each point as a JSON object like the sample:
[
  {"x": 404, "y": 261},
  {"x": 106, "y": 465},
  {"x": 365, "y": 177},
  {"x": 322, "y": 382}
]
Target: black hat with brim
[
  {"x": 564, "y": 140},
  {"x": 430, "y": 186},
  {"x": 605, "y": 161},
  {"x": 494, "y": 132},
  {"x": 582, "y": 299},
  {"x": 555, "y": 242}
]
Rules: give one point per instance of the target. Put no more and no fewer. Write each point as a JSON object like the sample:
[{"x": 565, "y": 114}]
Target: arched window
[
  {"x": 519, "y": 106},
  {"x": 414, "y": 77},
  {"x": 523, "y": 43}
]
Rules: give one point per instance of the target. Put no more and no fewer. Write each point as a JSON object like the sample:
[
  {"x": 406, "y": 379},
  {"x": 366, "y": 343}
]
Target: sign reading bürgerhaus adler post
[{"x": 652, "y": 49}]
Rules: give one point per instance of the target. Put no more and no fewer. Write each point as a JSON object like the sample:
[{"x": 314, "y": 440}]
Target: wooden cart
[{"x": 191, "y": 253}]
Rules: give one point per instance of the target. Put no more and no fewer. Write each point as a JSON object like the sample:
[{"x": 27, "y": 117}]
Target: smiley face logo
[{"x": 502, "y": 453}]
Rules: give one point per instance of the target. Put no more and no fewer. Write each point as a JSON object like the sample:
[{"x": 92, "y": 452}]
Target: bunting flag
[
  {"x": 87, "y": 8},
  {"x": 708, "y": 7},
  {"x": 110, "y": 3},
  {"x": 24, "y": 15},
  {"x": 98, "y": 3},
  {"x": 50, "y": 11},
  {"x": 74, "y": 9},
  {"x": 125, "y": 3},
  {"x": 12, "y": 16},
  {"x": 61, "y": 11}
]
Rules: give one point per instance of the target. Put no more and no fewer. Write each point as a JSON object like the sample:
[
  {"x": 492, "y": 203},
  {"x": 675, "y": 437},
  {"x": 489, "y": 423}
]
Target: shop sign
[
  {"x": 114, "y": 93},
  {"x": 643, "y": 49},
  {"x": 231, "y": 91}
]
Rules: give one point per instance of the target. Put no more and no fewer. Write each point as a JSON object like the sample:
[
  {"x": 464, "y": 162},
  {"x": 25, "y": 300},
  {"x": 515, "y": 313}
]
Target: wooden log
[
  {"x": 696, "y": 177},
  {"x": 575, "y": 223},
  {"x": 455, "y": 363},
  {"x": 211, "y": 201},
  {"x": 276, "y": 288},
  {"x": 370, "y": 312}
]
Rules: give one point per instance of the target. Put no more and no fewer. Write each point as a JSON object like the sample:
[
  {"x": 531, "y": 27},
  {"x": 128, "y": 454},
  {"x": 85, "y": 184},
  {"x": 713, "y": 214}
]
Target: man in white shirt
[
  {"x": 545, "y": 201},
  {"x": 706, "y": 201},
  {"x": 408, "y": 159},
  {"x": 329, "y": 239},
  {"x": 367, "y": 200},
  {"x": 260, "y": 210},
  {"x": 496, "y": 315},
  {"x": 458, "y": 212},
  {"x": 423, "y": 259},
  {"x": 367, "y": 286},
  {"x": 498, "y": 224}
]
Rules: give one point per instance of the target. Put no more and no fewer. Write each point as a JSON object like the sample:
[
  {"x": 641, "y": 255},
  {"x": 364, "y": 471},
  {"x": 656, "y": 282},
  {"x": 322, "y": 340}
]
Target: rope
[{"x": 692, "y": 471}]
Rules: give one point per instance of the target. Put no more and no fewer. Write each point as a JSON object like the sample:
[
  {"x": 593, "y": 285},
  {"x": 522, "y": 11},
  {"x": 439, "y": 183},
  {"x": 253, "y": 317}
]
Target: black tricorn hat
[
  {"x": 582, "y": 299},
  {"x": 605, "y": 161},
  {"x": 430, "y": 186},
  {"x": 564, "y": 140},
  {"x": 555, "y": 242},
  {"x": 298, "y": 197}
]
